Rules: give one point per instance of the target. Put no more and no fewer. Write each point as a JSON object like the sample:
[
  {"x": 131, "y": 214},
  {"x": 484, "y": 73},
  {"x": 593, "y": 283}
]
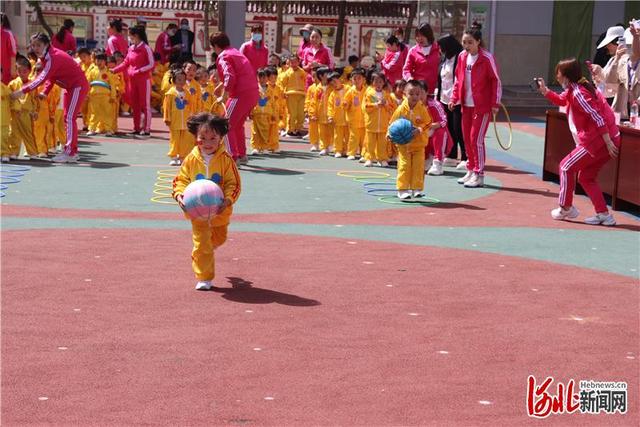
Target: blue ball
[{"x": 400, "y": 131}]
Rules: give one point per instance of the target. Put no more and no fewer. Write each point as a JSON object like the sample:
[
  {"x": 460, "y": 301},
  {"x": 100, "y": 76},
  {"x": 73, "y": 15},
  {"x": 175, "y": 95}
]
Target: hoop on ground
[
  {"x": 362, "y": 174},
  {"x": 374, "y": 179},
  {"x": 425, "y": 201},
  {"x": 503, "y": 116}
]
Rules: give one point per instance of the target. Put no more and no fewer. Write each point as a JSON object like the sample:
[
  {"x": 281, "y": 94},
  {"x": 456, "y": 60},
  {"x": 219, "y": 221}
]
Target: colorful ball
[
  {"x": 202, "y": 198},
  {"x": 400, "y": 131}
]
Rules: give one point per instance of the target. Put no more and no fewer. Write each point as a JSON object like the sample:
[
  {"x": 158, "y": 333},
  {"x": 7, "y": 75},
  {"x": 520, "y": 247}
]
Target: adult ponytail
[
  {"x": 66, "y": 26},
  {"x": 572, "y": 70},
  {"x": 475, "y": 31}
]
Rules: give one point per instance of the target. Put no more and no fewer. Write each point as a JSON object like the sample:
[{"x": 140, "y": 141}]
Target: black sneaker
[{"x": 143, "y": 133}]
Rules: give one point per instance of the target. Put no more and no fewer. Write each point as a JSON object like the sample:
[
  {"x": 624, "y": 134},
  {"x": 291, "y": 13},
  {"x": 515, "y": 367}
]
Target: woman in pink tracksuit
[
  {"x": 63, "y": 70},
  {"x": 255, "y": 49},
  {"x": 241, "y": 88},
  {"x": 597, "y": 137},
  {"x": 116, "y": 41},
  {"x": 139, "y": 64},
  {"x": 423, "y": 59},
  {"x": 393, "y": 60},
  {"x": 477, "y": 87}
]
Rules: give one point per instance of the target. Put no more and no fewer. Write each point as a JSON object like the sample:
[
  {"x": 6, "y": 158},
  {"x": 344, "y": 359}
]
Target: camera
[{"x": 535, "y": 84}]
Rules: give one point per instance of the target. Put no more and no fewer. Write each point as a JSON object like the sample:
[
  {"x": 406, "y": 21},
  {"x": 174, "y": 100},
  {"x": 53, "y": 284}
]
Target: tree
[
  {"x": 36, "y": 6},
  {"x": 279, "y": 11},
  {"x": 342, "y": 11},
  {"x": 412, "y": 16}
]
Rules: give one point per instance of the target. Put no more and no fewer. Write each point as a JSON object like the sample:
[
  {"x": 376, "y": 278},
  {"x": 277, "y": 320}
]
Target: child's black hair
[
  {"x": 211, "y": 67},
  {"x": 400, "y": 84},
  {"x": 84, "y": 50},
  {"x": 322, "y": 71},
  {"x": 175, "y": 66},
  {"x": 23, "y": 61},
  {"x": 357, "y": 72},
  {"x": 353, "y": 58},
  {"x": 101, "y": 56},
  {"x": 175, "y": 73},
  {"x": 417, "y": 83},
  {"x": 271, "y": 71},
  {"x": 373, "y": 74},
  {"x": 111, "y": 59},
  {"x": 117, "y": 54},
  {"x": 218, "y": 124},
  {"x": 333, "y": 75},
  {"x": 156, "y": 56},
  {"x": 189, "y": 61},
  {"x": 262, "y": 72}
]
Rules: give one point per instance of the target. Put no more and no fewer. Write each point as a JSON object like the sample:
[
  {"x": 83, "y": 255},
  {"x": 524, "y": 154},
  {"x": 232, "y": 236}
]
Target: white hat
[{"x": 612, "y": 34}]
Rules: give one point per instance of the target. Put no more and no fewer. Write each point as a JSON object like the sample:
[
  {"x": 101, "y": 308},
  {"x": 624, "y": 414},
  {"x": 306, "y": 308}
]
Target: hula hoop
[
  {"x": 495, "y": 129},
  {"x": 168, "y": 172},
  {"x": 163, "y": 185},
  {"x": 368, "y": 180},
  {"x": 162, "y": 199},
  {"x": 15, "y": 168},
  {"x": 11, "y": 180},
  {"x": 426, "y": 201},
  {"x": 380, "y": 192},
  {"x": 368, "y": 184},
  {"x": 362, "y": 174}
]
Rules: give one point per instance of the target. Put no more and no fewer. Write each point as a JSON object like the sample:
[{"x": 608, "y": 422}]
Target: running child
[{"x": 208, "y": 160}]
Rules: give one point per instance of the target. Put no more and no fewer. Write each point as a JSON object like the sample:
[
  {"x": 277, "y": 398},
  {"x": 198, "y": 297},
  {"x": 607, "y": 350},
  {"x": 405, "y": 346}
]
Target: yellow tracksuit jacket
[
  {"x": 336, "y": 111},
  {"x": 209, "y": 235},
  {"x": 355, "y": 116},
  {"x": 22, "y": 110},
  {"x": 411, "y": 155},
  {"x": 376, "y": 122},
  {"x": 263, "y": 118},
  {"x": 103, "y": 92},
  {"x": 319, "y": 108},
  {"x": 294, "y": 87},
  {"x": 176, "y": 109}
]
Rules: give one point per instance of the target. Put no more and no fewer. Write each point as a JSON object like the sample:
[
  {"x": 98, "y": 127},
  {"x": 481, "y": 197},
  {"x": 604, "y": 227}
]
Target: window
[{"x": 83, "y": 28}]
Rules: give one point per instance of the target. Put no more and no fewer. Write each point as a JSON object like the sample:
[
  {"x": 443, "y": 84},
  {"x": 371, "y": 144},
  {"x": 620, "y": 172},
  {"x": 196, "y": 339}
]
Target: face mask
[
  {"x": 172, "y": 33},
  {"x": 184, "y": 26},
  {"x": 256, "y": 37},
  {"x": 306, "y": 35}
]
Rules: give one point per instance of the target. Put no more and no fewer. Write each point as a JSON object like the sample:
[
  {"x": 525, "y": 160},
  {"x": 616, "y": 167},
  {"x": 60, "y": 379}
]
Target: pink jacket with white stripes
[
  {"x": 258, "y": 57},
  {"x": 392, "y": 64},
  {"x": 486, "y": 87},
  {"x": 58, "y": 68},
  {"x": 138, "y": 63},
  {"x": 591, "y": 115},
  {"x": 419, "y": 66},
  {"x": 236, "y": 72}
]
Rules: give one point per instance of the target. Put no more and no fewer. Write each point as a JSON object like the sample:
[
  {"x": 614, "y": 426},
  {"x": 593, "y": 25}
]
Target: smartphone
[
  {"x": 621, "y": 40},
  {"x": 636, "y": 24},
  {"x": 535, "y": 84}
]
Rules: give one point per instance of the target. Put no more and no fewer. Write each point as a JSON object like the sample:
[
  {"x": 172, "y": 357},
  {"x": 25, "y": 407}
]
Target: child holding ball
[{"x": 208, "y": 160}]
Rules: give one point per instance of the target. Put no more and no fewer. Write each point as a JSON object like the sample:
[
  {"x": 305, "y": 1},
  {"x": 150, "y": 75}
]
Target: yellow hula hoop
[
  {"x": 163, "y": 200},
  {"x": 363, "y": 174},
  {"x": 495, "y": 129},
  {"x": 168, "y": 172}
]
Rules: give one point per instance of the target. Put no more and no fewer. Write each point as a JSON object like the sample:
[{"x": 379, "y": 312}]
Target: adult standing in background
[
  {"x": 305, "y": 42},
  {"x": 240, "y": 85},
  {"x": 164, "y": 48},
  {"x": 423, "y": 59},
  {"x": 62, "y": 70},
  {"x": 116, "y": 41},
  {"x": 184, "y": 39},
  {"x": 255, "y": 49},
  {"x": 138, "y": 64},
  {"x": 9, "y": 50},
  {"x": 317, "y": 54},
  {"x": 64, "y": 39},
  {"x": 393, "y": 60},
  {"x": 451, "y": 48}
]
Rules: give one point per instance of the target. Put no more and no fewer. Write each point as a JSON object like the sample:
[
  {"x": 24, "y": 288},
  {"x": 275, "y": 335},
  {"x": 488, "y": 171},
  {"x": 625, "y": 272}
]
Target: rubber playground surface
[{"x": 334, "y": 304}]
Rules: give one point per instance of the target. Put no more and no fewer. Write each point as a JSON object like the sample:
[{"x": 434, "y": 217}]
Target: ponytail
[
  {"x": 571, "y": 69},
  {"x": 68, "y": 23},
  {"x": 475, "y": 31}
]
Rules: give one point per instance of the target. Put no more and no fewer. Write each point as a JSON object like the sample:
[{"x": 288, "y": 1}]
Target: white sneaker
[
  {"x": 601, "y": 219},
  {"x": 174, "y": 162},
  {"x": 475, "y": 181},
  {"x": 204, "y": 285},
  {"x": 13, "y": 157},
  {"x": 436, "y": 168},
  {"x": 91, "y": 133},
  {"x": 125, "y": 114},
  {"x": 283, "y": 133},
  {"x": 64, "y": 158},
  {"x": 560, "y": 213},
  {"x": 313, "y": 148},
  {"x": 383, "y": 164},
  {"x": 462, "y": 165},
  {"x": 404, "y": 194},
  {"x": 428, "y": 163},
  {"x": 362, "y": 160},
  {"x": 465, "y": 178},
  {"x": 368, "y": 164},
  {"x": 323, "y": 152},
  {"x": 450, "y": 162},
  {"x": 337, "y": 155},
  {"x": 4, "y": 159},
  {"x": 254, "y": 152},
  {"x": 418, "y": 194},
  {"x": 351, "y": 158},
  {"x": 305, "y": 136}
]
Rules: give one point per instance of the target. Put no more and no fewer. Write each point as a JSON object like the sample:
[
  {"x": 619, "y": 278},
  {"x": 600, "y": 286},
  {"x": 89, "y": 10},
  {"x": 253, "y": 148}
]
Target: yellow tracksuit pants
[
  {"x": 356, "y": 141},
  {"x": 260, "y": 132},
  {"x": 115, "y": 113},
  {"x": 325, "y": 130},
  {"x": 101, "y": 113},
  {"x": 22, "y": 133},
  {"x": 60, "y": 134},
  {"x": 314, "y": 133},
  {"x": 410, "y": 169},
  {"x": 206, "y": 239},
  {"x": 376, "y": 143},
  {"x": 42, "y": 129},
  {"x": 181, "y": 142},
  {"x": 341, "y": 139},
  {"x": 4, "y": 141},
  {"x": 295, "y": 107},
  {"x": 274, "y": 137}
]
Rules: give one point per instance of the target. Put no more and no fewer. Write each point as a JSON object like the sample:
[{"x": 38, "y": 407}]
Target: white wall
[
  {"x": 606, "y": 14},
  {"x": 524, "y": 17}
]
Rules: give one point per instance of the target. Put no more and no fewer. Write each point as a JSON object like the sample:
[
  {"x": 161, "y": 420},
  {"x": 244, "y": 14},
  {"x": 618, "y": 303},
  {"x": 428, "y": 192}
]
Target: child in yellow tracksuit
[
  {"x": 294, "y": 87},
  {"x": 85, "y": 60},
  {"x": 319, "y": 107},
  {"x": 208, "y": 160},
  {"x": 410, "y": 180},
  {"x": 309, "y": 109},
  {"x": 263, "y": 116},
  {"x": 176, "y": 109},
  {"x": 119, "y": 80},
  {"x": 377, "y": 107},
  {"x": 43, "y": 124},
  {"x": 193, "y": 86},
  {"x": 355, "y": 116},
  {"x": 24, "y": 111},
  {"x": 337, "y": 115},
  {"x": 157, "y": 96},
  {"x": 102, "y": 97},
  {"x": 207, "y": 97},
  {"x": 57, "y": 134},
  {"x": 279, "y": 106},
  {"x": 5, "y": 121}
]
